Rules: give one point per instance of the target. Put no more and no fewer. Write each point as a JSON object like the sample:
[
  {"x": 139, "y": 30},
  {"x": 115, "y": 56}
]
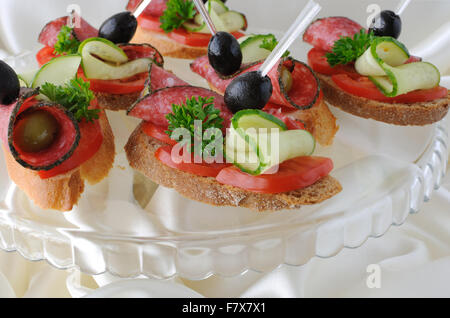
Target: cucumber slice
[
  {"x": 233, "y": 21},
  {"x": 58, "y": 71},
  {"x": 254, "y": 147},
  {"x": 218, "y": 6},
  {"x": 251, "y": 48},
  {"x": 253, "y": 118},
  {"x": 103, "y": 48},
  {"x": 194, "y": 27},
  {"x": 407, "y": 78},
  {"x": 104, "y": 60},
  {"x": 224, "y": 20},
  {"x": 384, "y": 62},
  {"x": 387, "y": 49},
  {"x": 26, "y": 78}
]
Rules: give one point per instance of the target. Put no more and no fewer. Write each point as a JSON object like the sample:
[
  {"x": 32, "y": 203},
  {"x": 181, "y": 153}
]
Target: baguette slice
[
  {"x": 116, "y": 102},
  {"x": 63, "y": 192},
  {"x": 319, "y": 121},
  {"x": 416, "y": 114},
  {"x": 166, "y": 46},
  {"x": 141, "y": 149}
]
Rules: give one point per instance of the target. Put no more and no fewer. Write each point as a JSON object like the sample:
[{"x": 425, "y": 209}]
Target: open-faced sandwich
[
  {"x": 176, "y": 29},
  {"x": 117, "y": 72},
  {"x": 370, "y": 74},
  {"x": 54, "y": 137},
  {"x": 297, "y": 94},
  {"x": 264, "y": 163}
]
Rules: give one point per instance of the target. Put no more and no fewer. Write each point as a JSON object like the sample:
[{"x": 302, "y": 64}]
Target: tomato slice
[
  {"x": 90, "y": 142},
  {"x": 157, "y": 132},
  {"x": 164, "y": 154},
  {"x": 362, "y": 86},
  {"x": 318, "y": 61},
  {"x": 150, "y": 23},
  {"x": 133, "y": 84},
  {"x": 45, "y": 55},
  {"x": 294, "y": 174}
]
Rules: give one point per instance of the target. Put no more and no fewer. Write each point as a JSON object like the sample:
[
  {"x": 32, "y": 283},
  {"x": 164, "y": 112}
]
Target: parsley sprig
[
  {"x": 177, "y": 13},
  {"x": 185, "y": 115},
  {"x": 347, "y": 49},
  {"x": 75, "y": 96},
  {"x": 270, "y": 42},
  {"x": 67, "y": 43}
]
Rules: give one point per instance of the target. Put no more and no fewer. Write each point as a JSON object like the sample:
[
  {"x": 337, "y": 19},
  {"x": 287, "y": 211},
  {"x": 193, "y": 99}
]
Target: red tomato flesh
[
  {"x": 157, "y": 132},
  {"x": 318, "y": 61},
  {"x": 133, "y": 84},
  {"x": 45, "y": 55},
  {"x": 362, "y": 86},
  {"x": 294, "y": 174},
  {"x": 164, "y": 154}
]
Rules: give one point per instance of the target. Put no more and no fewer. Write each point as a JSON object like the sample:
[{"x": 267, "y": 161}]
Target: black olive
[
  {"x": 120, "y": 28},
  {"x": 248, "y": 91},
  {"x": 224, "y": 53},
  {"x": 387, "y": 23},
  {"x": 9, "y": 84}
]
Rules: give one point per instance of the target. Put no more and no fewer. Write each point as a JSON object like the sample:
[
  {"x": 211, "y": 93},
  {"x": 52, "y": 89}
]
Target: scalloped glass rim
[{"x": 228, "y": 253}]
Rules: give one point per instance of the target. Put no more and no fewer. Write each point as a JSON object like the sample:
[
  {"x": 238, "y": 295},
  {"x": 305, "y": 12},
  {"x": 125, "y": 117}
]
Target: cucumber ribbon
[
  {"x": 384, "y": 64},
  {"x": 258, "y": 142}
]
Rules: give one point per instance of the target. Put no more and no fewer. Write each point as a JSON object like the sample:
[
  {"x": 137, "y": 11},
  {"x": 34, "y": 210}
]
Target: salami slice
[
  {"x": 322, "y": 33},
  {"x": 64, "y": 144},
  {"x": 160, "y": 78},
  {"x": 156, "y": 8},
  {"x": 49, "y": 34},
  {"x": 154, "y": 107},
  {"x": 137, "y": 51},
  {"x": 304, "y": 91}
]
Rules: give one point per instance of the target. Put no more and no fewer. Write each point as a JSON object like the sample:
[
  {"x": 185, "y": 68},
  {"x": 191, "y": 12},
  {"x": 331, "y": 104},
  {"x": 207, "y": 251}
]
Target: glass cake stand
[{"x": 129, "y": 227}]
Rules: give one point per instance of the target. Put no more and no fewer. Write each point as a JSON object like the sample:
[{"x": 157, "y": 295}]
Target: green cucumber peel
[{"x": 257, "y": 145}]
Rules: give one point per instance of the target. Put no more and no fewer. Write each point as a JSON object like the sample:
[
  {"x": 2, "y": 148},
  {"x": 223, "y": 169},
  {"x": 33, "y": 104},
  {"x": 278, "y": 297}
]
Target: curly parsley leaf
[
  {"x": 347, "y": 49},
  {"x": 67, "y": 43},
  {"x": 177, "y": 13},
  {"x": 75, "y": 96},
  {"x": 195, "y": 109},
  {"x": 270, "y": 42}
]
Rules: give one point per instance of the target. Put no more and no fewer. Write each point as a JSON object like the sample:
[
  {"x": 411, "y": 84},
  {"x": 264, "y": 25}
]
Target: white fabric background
[{"x": 414, "y": 258}]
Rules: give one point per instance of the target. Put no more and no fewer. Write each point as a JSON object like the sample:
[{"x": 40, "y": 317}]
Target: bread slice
[
  {"x": 166, "y": 46},
  {"x": 141, "y": 149},
  {"x": 116, "y": 102},
  {"x": 63, "y": 192},
  {"x": 417, "y": 114},
  {"x": 319, "y": 121}
]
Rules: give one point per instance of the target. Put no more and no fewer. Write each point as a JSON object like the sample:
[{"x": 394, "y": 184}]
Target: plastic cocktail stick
[
  {"x": 402, "y": 6},
  {"x": 205, "y": 15},
  {"x": 141, "y": 8},
  {"x": 303, "y": 20}
]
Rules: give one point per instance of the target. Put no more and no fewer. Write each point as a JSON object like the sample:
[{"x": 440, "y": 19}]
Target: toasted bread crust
[
  {"x": 166, "y": 46},
  {"x": 116, "y": 102},
  {"x": 141, "y": 149},
  {"x": 417, "y": 114},
  {"x": 319, "y": 121},
  {"x": 63, "y": 192}
]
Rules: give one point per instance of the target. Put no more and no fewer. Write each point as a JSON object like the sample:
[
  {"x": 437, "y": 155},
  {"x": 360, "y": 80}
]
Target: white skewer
[
  {"x": 402, "y": 6},
  {"x": 141, "y": 8},
  {"x": 205, "y": 15},
  {"x": 301, "y": 23}
]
